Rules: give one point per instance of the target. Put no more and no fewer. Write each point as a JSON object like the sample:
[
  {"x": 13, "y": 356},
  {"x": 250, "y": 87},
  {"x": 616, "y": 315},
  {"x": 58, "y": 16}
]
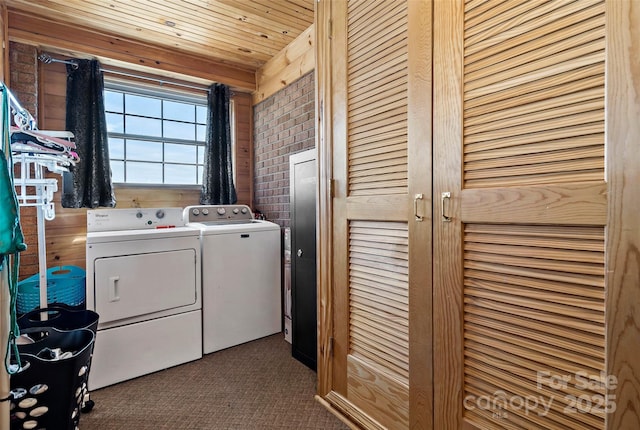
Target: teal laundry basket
[{"x": 65, "y": 284}]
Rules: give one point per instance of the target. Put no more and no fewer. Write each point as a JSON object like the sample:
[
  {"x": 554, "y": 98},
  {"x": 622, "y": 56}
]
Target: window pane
[
  {"x": 115, "y": 123},
  {"x": 117, "y": 171},
  {"x": 140, "y": 105},
  {"x": 201, "y": 154},
  {"x": 179, "y": 174},
  {"x": 179, "y": 130},
  {"x": 143, "y": 126},
  {"x": 116, "y": 148},
  {"x": 113, "y": 101},
  {"x": 144, "y": 150},
  {"x": 179, "y": 111},
  {"x": 201, "y": 114},
  {"x": 144, "y": 173},
  {"x": 155, "y": 138},
  {"x": 180, "y": 153},
  {"x": 202, "y": 133}
]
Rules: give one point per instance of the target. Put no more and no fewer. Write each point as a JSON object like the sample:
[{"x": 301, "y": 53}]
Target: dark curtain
[
  {"x": 88, "y": 184},
  {"x": 217, "y": 178}
]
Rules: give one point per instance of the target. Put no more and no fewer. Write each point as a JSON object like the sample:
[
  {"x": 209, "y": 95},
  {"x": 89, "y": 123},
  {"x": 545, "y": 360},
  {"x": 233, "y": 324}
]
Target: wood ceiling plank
[
  {"x": 33, "y": 30},
  {"x": 235, "y": 32}
]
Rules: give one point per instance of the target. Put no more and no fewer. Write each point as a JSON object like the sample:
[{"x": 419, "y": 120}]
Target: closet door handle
[
  {"x": 445, "y": 196},
  {"x": 417, "y": 217}
]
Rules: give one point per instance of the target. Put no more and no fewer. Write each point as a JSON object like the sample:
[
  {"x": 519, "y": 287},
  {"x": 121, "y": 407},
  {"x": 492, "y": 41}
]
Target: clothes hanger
[{"x": 22, "y": 134}]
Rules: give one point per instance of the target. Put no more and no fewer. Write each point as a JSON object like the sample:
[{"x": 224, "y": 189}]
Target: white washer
[
  {"x": 144, "y": 281},
  {"x": 241, "y": 275}
]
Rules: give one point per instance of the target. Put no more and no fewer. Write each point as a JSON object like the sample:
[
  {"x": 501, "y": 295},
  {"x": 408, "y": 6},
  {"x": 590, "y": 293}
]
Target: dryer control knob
[
  {"x": 160, "y": 214},
  {"x": 205, "y": 211},
  {"x": 221, "y": 211},
  {"x": 244, "y": 210},
  {"x": 138, "y": 214},
  {"x": 236, "y": 211},
  {"x": 196, "y": 212}
]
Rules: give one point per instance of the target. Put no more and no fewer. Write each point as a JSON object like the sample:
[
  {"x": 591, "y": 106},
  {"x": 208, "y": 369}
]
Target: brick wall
[
  {"x": 284, "y": 124},
  {"x": 23, "y": 83}
]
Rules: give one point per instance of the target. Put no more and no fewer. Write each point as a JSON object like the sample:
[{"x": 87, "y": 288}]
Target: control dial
[
  {"x": 160, "y": 214},
  {"x": 221, "y": 211},
  {"x": 205, "y": 211}
]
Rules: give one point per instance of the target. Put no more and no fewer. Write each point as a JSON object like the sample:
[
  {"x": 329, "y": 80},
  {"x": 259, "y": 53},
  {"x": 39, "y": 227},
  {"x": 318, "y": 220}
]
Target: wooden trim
[
  {"x": 324, "y": 244},
  {"x": 623, "y": 230},
  {"x": 571, "y": 204},
  {"x": 420, "y": 173},
  {"x": 447, "y": 247},
  {"x": 294, "y": 61},
  {"x": 337, "y": 128},
  {"x": 354, "y": 414},
  {"x": 392, "y": 207},
  {"x": 4, "y": 44},
  {"x": 134, "y": 55},
  {"x": 337, "y": 413}
]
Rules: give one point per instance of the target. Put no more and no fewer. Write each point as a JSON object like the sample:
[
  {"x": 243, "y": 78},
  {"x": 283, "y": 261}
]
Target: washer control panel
[
  {"x": 218, "y": 214},
  {"x": 133, "y": 219}
]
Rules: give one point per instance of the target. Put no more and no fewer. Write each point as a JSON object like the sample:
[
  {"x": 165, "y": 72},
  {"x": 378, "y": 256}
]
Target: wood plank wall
[{"x": 289, "y": 65}]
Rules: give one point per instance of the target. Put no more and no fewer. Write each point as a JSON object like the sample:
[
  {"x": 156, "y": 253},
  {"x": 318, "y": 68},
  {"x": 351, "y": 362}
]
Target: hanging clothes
[
  {"x": 217, "y": 180},
  {"x": 91, "y": 184},
  {"x": 11, "y": 237}
]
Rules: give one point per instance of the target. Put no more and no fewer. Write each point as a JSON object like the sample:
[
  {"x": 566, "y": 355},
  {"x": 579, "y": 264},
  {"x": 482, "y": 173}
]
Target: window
[{"x": 155, "y": 137}]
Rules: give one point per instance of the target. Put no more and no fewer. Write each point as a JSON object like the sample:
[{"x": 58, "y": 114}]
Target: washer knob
[
  {"x": 160, "y": 214},
  {"x": 196, "y": 212},
  {"x": 205, "y": 211},
  {"x": 138, "y": 215},
  {"x": 236, "y": 211},
  {"x": 244, "y": 210},
  {"x": 221, "y": 211}
]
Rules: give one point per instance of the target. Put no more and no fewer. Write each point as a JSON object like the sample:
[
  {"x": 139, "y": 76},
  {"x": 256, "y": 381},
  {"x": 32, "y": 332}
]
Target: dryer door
[{"x": 134, "y": 285}]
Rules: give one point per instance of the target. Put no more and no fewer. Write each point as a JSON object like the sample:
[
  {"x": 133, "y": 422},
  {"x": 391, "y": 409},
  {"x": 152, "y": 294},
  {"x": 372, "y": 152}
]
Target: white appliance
[
  {"x": 144, "y": 281},
  {"x": 241, "y": 269}
]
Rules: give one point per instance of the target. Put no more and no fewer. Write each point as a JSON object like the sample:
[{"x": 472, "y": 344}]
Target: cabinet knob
[{"x": 299, "y": 253}]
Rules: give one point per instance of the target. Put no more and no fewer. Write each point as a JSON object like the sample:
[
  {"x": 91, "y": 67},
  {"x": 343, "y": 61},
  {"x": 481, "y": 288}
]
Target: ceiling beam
[{"x": 74, "y": 40}]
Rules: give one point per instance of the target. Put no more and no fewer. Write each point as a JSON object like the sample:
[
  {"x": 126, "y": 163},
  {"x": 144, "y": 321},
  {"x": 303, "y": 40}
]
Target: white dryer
[
  {"x": 144, "y": 281},
  {"x": 241, "y": 275}
]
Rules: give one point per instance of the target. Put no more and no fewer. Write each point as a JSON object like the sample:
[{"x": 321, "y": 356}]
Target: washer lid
[{"x": 218, "y": 228}]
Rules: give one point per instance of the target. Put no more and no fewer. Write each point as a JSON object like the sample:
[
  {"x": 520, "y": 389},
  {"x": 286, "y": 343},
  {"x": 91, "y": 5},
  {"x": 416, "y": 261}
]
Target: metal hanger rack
[{"x": 32, "y": 186}]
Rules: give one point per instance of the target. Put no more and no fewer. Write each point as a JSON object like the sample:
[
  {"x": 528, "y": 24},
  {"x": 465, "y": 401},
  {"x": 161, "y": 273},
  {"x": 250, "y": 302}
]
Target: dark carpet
[{"x": 257, "y": 385}]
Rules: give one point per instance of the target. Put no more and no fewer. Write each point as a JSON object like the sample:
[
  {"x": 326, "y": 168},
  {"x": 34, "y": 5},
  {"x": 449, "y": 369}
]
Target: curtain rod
[
  {"x": 160, "y": 81},
  {"x": 47, "y": 59}
]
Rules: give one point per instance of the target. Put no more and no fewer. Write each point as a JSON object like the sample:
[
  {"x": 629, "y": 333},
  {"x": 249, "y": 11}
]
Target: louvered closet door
[
  {"x": 381, "y": 254},
  {"x": 519, "y": 142}
]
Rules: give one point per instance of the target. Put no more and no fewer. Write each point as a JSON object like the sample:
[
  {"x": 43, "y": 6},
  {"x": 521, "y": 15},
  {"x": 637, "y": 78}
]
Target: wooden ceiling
[{"x": 240, "y": 33}]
